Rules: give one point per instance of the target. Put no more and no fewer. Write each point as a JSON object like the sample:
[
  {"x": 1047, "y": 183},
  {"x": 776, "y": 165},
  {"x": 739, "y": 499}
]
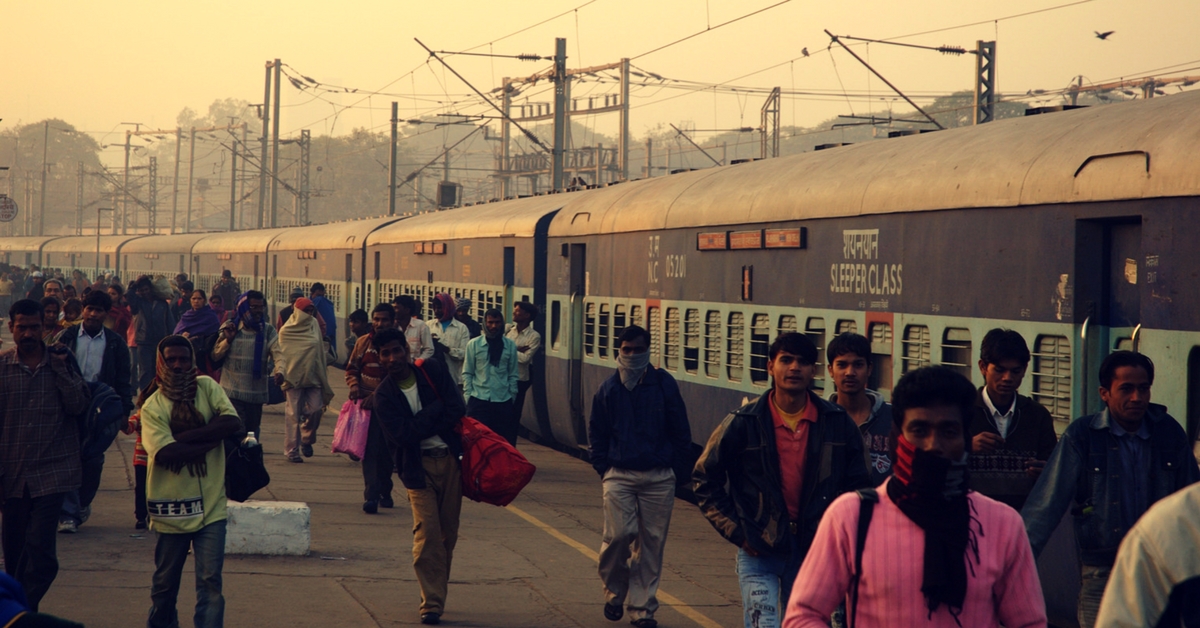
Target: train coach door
[
  {"x": 578, "y": 268},
  {"x": 1109, "y": 277},
  {"x": 510, "y": 278}
]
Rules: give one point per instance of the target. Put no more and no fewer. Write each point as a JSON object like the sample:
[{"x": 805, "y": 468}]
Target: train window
[
  {"x": 635, "y": 316},
  {"x": 691, "y": 340},
  {"x": 814, "y": 328},
  {"x": 760, "y": 340},
  {"x": 916, "y": 348},
  {"x": 589, "y": 329},
  {"x": 712, "y": 343},
  {"x": 881, "y": 358},
  {"x": 620, "y": 321},
  {"x": 845, "y": 325},
  {"x": 787, "y": 323},
  {"x": 602, "y": 341},
  {"x": 1052, "y": 375},
  {"x": 555, "y": 322},
  {"x": 654, "y": 326},
  {"x": 956, "y": 350},
  {"x": 671, "y": 340},
  {"x": 735, "y": 344}
]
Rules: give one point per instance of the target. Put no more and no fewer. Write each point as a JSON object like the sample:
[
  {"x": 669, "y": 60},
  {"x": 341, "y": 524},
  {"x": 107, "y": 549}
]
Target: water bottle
[{"x": 249, "y": 441}]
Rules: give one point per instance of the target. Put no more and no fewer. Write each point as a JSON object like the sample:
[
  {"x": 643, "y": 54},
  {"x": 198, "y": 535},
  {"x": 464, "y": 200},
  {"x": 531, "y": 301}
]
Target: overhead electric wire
[{"x": 712, "y": 28}]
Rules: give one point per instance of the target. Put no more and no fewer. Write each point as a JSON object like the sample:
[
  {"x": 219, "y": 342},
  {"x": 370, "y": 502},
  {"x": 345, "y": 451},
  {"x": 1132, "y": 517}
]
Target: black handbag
[
  {"x": 245, "y": 472},
  {"x": 274, "y": 393}
]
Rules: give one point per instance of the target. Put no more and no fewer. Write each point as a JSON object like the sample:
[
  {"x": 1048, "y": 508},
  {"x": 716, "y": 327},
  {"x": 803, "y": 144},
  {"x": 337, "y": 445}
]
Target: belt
[{"x": 440, "y": 452}]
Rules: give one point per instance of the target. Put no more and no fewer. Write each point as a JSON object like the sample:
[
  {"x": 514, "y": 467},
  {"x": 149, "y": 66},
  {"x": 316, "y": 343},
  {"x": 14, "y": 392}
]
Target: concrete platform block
[{"x": 268, "y": 528}]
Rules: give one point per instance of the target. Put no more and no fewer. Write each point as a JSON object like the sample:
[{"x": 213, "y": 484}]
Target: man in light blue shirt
[
  {"x": 490, "y": 377},
  {"x": 326, "y": 310}
]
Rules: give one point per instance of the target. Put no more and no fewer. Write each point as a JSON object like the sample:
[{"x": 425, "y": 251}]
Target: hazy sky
[{"x": 98, "y": 64}]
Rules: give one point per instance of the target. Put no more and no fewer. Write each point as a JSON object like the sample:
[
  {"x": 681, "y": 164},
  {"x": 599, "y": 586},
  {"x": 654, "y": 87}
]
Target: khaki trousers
[
  {"x": 436, "y": 510},
  {"x": 637, "y": 513}
]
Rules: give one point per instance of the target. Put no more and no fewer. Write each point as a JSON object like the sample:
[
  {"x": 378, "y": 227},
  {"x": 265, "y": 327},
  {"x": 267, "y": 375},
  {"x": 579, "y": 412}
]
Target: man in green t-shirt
[{"x": 184, "y": 425}]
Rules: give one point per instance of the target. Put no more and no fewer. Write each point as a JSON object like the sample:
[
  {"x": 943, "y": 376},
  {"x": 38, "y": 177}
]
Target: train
[{"x": 1076, "y": 228}]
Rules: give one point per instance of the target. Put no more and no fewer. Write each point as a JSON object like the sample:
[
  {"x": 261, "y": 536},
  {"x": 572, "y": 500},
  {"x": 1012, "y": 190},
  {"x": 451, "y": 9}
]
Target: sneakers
[
  {"x": 431, "y": 618},
  {"x": 386, "y": 502},
  {"x": 306, "y": 450},
  {"x": 68, "y": 526},
  {"x": 370, "y": 506},
  {"x": 614, "y": 612}
]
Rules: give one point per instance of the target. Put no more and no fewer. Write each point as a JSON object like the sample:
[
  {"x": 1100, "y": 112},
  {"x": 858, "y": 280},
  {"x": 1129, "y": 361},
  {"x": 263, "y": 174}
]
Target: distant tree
[{"x": 22, "y": 149}]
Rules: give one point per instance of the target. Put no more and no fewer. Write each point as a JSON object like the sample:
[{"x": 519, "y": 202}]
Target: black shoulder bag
[{"x": 867, "y": 499}]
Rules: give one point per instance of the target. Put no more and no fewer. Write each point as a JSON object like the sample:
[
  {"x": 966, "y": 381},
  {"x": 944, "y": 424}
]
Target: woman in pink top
[{"x": 935, "y": 553}]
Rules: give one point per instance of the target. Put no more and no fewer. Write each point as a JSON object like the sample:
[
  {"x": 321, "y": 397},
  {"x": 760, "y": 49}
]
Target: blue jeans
[
  {"x": 77, "y": 500},
  {"x": 170, "y": 554},
  {"x": 766, "y": 582}
]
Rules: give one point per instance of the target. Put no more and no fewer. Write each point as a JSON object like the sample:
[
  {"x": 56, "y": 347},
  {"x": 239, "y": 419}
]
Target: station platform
[{"x": 530, "y": 564}]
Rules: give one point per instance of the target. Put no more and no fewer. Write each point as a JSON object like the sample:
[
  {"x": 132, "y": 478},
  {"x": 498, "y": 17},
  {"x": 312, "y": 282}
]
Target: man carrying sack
[{"x": 301, "y": 360}]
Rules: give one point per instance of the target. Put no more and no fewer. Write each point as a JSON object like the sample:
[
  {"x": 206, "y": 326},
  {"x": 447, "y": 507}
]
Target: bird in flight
[{"x": 1103, "y": 35}]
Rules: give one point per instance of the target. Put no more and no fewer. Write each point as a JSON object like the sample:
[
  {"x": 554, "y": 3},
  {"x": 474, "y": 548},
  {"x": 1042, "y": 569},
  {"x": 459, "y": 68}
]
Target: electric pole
[
  {"x": 175, "y": 181},
  {"x": 560, "y": 111},
  {"x": 187, "y": 224},
  {"x": 45, "y": 150},
  {"x": 152, "y": 206},
  {"x": 275, "y": 152},
  {"x": 125, "y": 190},
  {"x": 302, "y": 177},
  {"x": 232, "y": 183},
  {"x": 623, "y": 139},
  {"x": 262, "y": 160},
  {"x": 392, "y": 163},
  {"x": 985, "y": 81},
  {"x": 79, "y": 201}
]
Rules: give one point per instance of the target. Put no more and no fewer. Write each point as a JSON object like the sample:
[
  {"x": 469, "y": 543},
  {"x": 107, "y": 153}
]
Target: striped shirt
[
  {"x": 39, "y": 427},
  {"x": 1003, "y": 589},
  {"x": 237, "y": 375}
]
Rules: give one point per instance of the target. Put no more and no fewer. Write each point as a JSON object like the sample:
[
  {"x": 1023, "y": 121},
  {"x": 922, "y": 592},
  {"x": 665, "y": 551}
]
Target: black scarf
[
  {"x": 932, "y": 492},
  {"x": 495, "y": 345}
]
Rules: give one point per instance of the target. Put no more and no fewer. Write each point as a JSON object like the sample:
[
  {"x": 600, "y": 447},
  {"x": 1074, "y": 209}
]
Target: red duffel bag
[{"x": 493, "y": 471}]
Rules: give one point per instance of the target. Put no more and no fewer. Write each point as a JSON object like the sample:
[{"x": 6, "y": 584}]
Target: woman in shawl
[
  {"x": 301, "y": 361},
  {"x": 200, "y": 325}
]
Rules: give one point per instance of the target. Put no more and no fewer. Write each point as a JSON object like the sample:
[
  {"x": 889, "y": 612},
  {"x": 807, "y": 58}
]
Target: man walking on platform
[
  {"x": 102, "y": 357},
  {"x": 152, "y": 321},
  {"x": 246, "y": 347},
  {"x": 640, "y": 438},
  {"x": 490, "y": 377},
  {"x": 301, "y": 361},
  {"x": 364, "y": 372},
  {"x": 849, "y": 360},
  {"x": 451, "y": 334},
  {"x": 528, "y": 342},
  {"x": 770, "y": 470},
  {"x": 1011, "y": 435},
  {"x": 1109, "y": 468},
  {"x": 227, "y": 287},
  {"x": 416, "y": 332},
  {"x": 184, "y": 426},
  {"x": 328, "y": 314},
  {"x": 418, "y": 408},
  {"x": 42, "y": 398},
  {"x": 922, "y": 550}
]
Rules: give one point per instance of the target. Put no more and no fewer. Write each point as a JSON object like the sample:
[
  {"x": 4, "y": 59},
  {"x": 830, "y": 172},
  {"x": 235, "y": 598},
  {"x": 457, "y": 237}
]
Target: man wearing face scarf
[
  {"x": 184, "y": 426},
  {"x": 301, "y": 362},
  {"x": 640, "y": 443},
  {"x": 246, "y": 349},
  {"x": 490, "y": 377},
  {"x": 936, "y": 553}
]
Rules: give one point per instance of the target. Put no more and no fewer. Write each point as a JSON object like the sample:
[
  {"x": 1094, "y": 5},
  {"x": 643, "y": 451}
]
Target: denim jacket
[{"x": 1084, "y": 474}]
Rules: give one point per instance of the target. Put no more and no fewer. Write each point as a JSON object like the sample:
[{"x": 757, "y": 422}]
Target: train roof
[
  {"x": 253, "y": 241},
  {"x": 1133, "y": 150},
  {"x": 177, "y": 243},
  {"x": 346, "y": 234},
  {"x": 25, "y": 244},
  {"x": 87, "y": 244},
  {"x": 517, "y": 218}
]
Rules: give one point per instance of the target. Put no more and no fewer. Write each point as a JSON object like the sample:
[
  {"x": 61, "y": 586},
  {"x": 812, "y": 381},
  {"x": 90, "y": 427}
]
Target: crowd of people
[{"x": 844, "y": 511}]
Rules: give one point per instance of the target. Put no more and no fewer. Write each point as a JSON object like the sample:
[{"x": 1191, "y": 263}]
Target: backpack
[{"x": 493, "y": 471}]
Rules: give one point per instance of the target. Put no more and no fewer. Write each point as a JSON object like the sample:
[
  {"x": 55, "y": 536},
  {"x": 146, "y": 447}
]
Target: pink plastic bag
[{"x": 350, "y": 434}]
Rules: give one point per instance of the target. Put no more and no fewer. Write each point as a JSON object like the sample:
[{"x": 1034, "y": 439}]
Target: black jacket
[
  {"x": 441, "y": 411},
  {"x": 1000, "y": 474},
  {"x": 114, "y": 369},
  {"x": 640, "y": 429},
  {"x": 738, "y": 485}
]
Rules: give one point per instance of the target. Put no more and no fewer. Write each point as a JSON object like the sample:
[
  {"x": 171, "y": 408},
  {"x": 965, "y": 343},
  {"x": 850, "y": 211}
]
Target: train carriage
[
  {"x": 243, "y": 253},
  {"x": 492, "y": 253},
  {"x": 332, "y": 254},
  {"x": 88, "y": 254},
  {"x": 23, "y": 250},
  {"x": 160, "y": 256}
]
